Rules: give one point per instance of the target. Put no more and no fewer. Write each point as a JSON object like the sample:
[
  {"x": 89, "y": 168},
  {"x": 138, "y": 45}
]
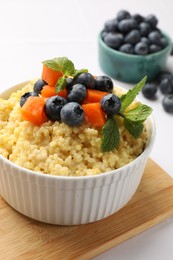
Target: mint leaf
[
  {"x": 67, "y": 66},
  {"x": 133, "y": 129},
  {"x": 62, "y": 64},
  {"x": 122, "y": 97},
  {"x": 78, "y": 72},
  {"x": 131, "y": 94},
  {"x": 139, "y": 114},
  {"x": 60, "y": 85},
  {"x": 52, "y": 64},
  {"x": 110, "y": 135}
]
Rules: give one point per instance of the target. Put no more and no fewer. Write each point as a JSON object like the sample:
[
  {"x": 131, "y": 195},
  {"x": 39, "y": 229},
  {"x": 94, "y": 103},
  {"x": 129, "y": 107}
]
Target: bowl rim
[
  {"x": 136, "y": 56},
  {"x": 147, "y": 149}
]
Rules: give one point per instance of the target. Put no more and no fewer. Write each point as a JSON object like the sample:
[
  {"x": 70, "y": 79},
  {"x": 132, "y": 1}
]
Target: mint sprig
[
  {"x": 138, "y": 114},
  {"x": 130, "y": 96},
  {"x": 52, "y": 64},
  {"x": 66, "y": 66},
  {"x": 62, "y": 64},
  {"x": 134, "y": 130},
  {"x": 133, "y": 119},
  {"x": 61, "y": 83},
  {"x": 110, "y": 135}
]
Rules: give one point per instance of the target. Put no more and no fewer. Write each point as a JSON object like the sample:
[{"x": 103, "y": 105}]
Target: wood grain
[{"x": 24, "y": 238}]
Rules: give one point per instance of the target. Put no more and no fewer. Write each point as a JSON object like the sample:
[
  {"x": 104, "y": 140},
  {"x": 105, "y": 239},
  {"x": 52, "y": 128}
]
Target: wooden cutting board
[{"x": 24, "y": 238}]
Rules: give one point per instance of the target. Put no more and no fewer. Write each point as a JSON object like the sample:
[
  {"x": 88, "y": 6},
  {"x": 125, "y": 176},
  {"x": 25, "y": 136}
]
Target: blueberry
[
  {"x": 72, "y": 114},
  {"x": 77, "y": 94},
  {"x": 139, "y": 18},
  {"x": 163, "y": 42},
  {"x": 132, "y": 37},
  {"x": 53, "y": 107},
  {"x": 166, "y": 86},
  {"x": 144, "y": 28},
  {"x": 38, "y": 86},
  {"x": 69, "y": 84},
  {"x": 104, "y": 33},
  {"x": 171, "y": 52},
  {"x": 154, "y": 48},
  {"x": 25, "y": 96},
  {"x": 111, "y": 25},
  {"x": 163, "y": 75},
  {"x": 126, "y": 48},
  {"x": 145, "y": 40},
  {"x": 123, "y": 14},
  {"x": 104, "y": 83},
  {"x": 113, "y": 40},
  {"x": 110, "y": 104},
  {"x": 152, "y": 20},
  {"x": 167, "y": 103},
  {"x": 127, "y": 25},
  {"x": 157, "y": 29},
  {"x": 149, "y": 90},
  {"x": 154, "y": 37},
  {"x": 85, "y": 79},
  {"x": 141, "y": 48}
]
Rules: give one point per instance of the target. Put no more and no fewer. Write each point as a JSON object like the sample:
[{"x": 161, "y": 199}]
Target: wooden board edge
[{"x": 126, "y": 236}]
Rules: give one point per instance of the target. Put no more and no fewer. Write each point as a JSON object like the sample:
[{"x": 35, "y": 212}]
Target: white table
[{"x": 34, "y": 30}]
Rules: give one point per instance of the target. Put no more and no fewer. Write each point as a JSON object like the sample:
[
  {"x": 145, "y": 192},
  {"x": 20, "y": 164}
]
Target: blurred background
[{"x": 34, "y": 30}]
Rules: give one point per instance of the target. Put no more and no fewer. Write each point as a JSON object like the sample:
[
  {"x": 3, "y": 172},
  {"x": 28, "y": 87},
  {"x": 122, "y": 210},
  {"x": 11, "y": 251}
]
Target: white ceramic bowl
[{"x": 71, "y": 200}]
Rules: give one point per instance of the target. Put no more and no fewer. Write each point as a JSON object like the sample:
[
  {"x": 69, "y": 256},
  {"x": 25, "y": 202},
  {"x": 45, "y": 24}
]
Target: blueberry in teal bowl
[{"x": 132, "y": 46}]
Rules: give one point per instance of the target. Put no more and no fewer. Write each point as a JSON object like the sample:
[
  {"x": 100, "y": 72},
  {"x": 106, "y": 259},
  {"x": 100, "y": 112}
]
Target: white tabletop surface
[{"x": 34, "y": 30}]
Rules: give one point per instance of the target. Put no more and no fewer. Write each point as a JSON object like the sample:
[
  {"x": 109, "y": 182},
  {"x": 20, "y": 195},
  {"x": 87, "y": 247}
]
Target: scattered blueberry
[
  {"x": 132, "y": 37},
  {"x": 166, "y": 86},
  {"x": 141, "y": 48},
  {"x": 163, "y": 75},
  {"x": 126, "y": 48},
  {"x": 104, "y": 83},
  {"x": 25, "y": 96},
  {"x": 113, "y": 40},
  {"x": 72, "y": 114},
  {"x": 38, "y": 86},
  {"x": 149, "y": 90},
  {"x": 167, "y": 103},
  {"x": 123, "y": 14},
  {"x": 86, "y": 79},
  {"x": 53, "y": 107},
  {"x": 164, "y": 82},
  {"x": 77, "y": 94},
  {"x": 110, "y": 104}
]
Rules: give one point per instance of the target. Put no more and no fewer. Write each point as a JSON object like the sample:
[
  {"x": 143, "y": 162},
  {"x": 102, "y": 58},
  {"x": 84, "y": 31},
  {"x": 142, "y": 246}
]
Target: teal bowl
[{"x": 132, "y": 68}]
